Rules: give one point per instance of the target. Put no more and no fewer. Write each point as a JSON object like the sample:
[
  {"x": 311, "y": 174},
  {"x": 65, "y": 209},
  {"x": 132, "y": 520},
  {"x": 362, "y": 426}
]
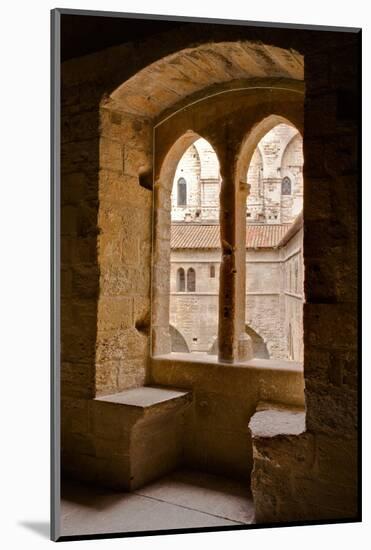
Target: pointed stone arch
[{"x": 178, "y": 342}]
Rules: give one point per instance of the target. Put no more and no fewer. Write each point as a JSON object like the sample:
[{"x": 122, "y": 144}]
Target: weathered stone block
[
  {"x": 126, "y": 343},
  {"x": 110, "y": 154},
  {"x": 136, "y": 161},
  {"x": 161, "y": 341},
  {"x": 119, "y": 280},
  {"x": 332, "y": 411},
  {"x": 336, "y": 459},
  {"x": 330, "y": 326},
  {"x": 136, "y": 435},
  {"x": 106, "y": 375},
  {"x": 132, "y": 373},
  {"x": 116, "y": 189},
  {"x": 115, "y": 312}
]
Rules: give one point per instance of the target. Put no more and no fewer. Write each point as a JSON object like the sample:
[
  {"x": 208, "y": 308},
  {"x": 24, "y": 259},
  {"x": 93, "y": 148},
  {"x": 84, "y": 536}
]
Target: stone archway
[
  {"x": 107, "y": 165},
  {"x": 131, "y": 115}
]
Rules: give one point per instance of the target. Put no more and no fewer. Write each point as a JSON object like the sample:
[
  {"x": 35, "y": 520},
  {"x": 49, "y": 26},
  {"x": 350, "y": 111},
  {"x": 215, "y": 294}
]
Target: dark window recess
[
  {"x": 212, "y": 271},
  {"x": 286, "y": 186},
  {"x": 346, "y": 105},
  {"x": 191, "y": 280},
  {"x": 180, "y": 280},
  {"x": 182, "y": 192}
]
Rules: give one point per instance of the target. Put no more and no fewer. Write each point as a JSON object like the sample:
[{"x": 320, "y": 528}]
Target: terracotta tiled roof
[
  {"x": 200, "y": 235},
  {"x": 265, "y": 236}
]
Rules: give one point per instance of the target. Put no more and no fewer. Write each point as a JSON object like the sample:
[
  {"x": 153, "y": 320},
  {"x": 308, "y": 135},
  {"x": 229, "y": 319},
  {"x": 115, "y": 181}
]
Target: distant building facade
[{"x": 274, "y": 255}]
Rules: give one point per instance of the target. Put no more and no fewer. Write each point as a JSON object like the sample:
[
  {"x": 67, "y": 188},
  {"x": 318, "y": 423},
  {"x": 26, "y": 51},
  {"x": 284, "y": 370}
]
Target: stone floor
[{"x": 185, "y": 499}]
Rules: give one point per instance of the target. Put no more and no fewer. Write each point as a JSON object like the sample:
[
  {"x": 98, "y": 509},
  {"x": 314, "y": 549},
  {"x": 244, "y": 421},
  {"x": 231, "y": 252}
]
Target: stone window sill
[{"x": 255, "y": 364}]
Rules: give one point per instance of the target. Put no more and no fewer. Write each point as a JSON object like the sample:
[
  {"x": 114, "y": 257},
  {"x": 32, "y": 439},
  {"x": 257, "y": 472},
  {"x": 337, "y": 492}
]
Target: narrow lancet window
[
  {"x": 191, "y": 280},
  {"x": 182, "y": 192},
  {"x": 180, "y": 280}
]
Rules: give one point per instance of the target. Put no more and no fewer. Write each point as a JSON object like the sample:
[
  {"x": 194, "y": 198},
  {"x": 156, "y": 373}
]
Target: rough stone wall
[
  {"x": 330, "y": 214},
  {"x": 79, "y": 257},
  {"x": 330, "y": 248},
  {"x": 124, "y": 248},
  {"x": 195, "y": 314},
  {"x": 314, "y": 475},
  {"x": 293, "y": 296},
  {"x": 105, "y": 243},
  {"x": 263, "y": 291}
]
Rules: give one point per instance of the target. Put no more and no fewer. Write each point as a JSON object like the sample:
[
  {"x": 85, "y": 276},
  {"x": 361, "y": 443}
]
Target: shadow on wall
[
  {"x": 79, "y": 272},
  {"x": 259, "y": 346},
  {"x": 178, "y": 342},
  {"x": 260, "y": 349}
]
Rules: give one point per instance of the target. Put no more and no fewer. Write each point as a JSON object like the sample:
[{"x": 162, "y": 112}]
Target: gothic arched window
[
  {"x": 286, "y": 186},
  {"x": 191, "y": 280},
  {"x": 182, "y": 192},
  {"x": 180, "y": 280}
]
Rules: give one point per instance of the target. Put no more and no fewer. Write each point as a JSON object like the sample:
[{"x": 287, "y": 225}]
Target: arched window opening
[
  {"x": 195, "y": 241},
  {"x": 180, "y": 280},
  {"x": 182, "y": 192},
  {"x": 273, "y": 222},
  {"x": 191, "y": 280},
  {"x": 275, "y": 177}
]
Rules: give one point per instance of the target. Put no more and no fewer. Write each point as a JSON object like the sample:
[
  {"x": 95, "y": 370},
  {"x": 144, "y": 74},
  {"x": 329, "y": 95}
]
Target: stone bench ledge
[
  {"x": 146, "y": 397},
  {"x": 134, "y": 436},
  {"x": 272, "y": 419}
]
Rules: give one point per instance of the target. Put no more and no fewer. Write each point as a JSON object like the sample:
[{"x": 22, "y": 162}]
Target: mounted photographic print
[{"x": 206, "y": 188}]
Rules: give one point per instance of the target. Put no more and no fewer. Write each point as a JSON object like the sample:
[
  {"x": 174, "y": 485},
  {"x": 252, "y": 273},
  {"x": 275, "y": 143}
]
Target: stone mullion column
[
  {"x": 227, "y": 282},
  {"x": 244, "y": 343},
  {"x": 160, "y": 293}
]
